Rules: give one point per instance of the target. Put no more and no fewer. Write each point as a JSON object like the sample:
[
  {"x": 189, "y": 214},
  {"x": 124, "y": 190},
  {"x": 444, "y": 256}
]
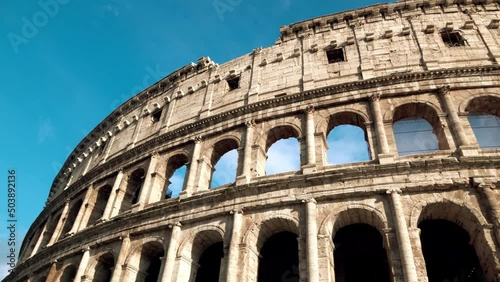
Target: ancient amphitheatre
[{"x": 429, "y": 215}]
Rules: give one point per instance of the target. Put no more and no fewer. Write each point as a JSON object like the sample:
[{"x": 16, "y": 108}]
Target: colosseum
[{"x": 419, "y": 78}]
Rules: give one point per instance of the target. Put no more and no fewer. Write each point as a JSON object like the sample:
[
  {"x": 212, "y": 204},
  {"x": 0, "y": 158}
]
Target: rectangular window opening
[
  {"x": 233, "y": 83},
  {"x": 453, "y": 38},
  {"x": 155, "y": 117},
  {"x": 335, "y": 55}
]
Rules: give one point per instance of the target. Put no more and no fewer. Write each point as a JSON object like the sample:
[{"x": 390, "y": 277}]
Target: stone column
[
  {"x": 379, "y": 128},
  {"x": 112, "y": 207},
  {"x": 169, "y": 261},
  {"x": 403, "y": 237},
  {"x": 454, "y": 119},
  {"x": 234, "y": 246},
  {"x": 83, "y": 264},
  {"x": 488, "y": 193},
  {"x": 40, "y": 239},
  {"x": 60, "y": 223},
  {"x": 193, "y": 165},
  {"x": 146, "y": 186},
  {"x": 246, "y": 174},
  {"x": 312, "y": 241},
  {"x": 120, "y": 260},
  {"x": 84, "y": 212},
  {"x": 51, "y": 276},
  {"x": 310, "y": 142}
]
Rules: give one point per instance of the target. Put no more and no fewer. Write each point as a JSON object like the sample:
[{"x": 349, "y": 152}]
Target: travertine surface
[{"x": 396, "y": 66}]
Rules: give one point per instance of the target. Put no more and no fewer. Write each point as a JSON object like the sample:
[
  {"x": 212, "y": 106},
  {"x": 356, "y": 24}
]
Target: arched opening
[
  {"x": 150, "y": 263},
  {"x": 133, "y": 189},
  {"x": 104, "y": 268},
  {"x": 49, "y": 231},
  {"x": 447, "y": 252},
  {"x": 225, "y": 169},
  {"x": 347, "y": 139},
  {"x": 42, "y": 279},
  {"x": 100, "y": 203},
  {"x": 69, "y": 274},
  {"x": 209, "y": 263},
  {"x": 223, "y": 163},
  {"x": 414, "y": 136},
  {"x": 70, "y": 219},
  {"x": 486, "y": 129},
  {"x": 484, "y": 118},
  {"x": 360, "y": 255},
  {"x": 176, "y": 175},
  {"x": 279, "y": 258},
  {"x": 417, "y": 129},
  {"x": 283, "y": 150}
]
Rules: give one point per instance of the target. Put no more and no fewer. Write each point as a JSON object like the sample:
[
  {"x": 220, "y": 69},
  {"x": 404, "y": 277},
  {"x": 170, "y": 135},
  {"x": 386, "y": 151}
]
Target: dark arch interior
[
  {"x": 209, "y": 263},
  {"x": 447, "y": 252},
  {"x": 70, "y": 220},
  {"x": 104, "y": 268},
  {"x": 151, "y": 261},
  {"x": 279, "y": 259},
  {"x": 100, "y": 203},
  {"x": 359, "y": 255},
  {"x": 69, "y": 274},
  {"x": 135, "y": 182}
]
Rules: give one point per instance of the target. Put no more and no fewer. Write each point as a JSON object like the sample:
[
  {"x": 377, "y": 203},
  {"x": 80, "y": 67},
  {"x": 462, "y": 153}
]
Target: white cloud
[{"x": 283, "y": 156}]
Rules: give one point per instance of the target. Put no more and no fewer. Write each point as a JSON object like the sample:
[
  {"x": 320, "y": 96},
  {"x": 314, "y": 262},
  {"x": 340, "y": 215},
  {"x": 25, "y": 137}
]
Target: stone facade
[{"x": 106, "y": 215}]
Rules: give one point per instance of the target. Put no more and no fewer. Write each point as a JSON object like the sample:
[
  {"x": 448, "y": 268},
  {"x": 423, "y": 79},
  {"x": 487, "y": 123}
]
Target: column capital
[
  {"x": 85, "y": 249},
  {"x": 239, "y": 211},
  {"x": 53, "y": 261},
  {"x": 176, "y": 224},
  {"x": 250, "y": 123},
  {"x": 393, "y": 190},
  {"x": 443, "y": 90},
  {"x": 375, "y": 97},
  {"x": 310, "y": 200},
  {"x": 309, "y": 109},
  {"x": 154, "y": 154},
  {"x": 197, "y": 139},
  {"x": 123, "y": 237}
]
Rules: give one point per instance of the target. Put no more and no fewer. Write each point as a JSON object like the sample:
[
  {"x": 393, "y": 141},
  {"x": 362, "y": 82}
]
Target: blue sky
[{"x": 66, "y": 64}]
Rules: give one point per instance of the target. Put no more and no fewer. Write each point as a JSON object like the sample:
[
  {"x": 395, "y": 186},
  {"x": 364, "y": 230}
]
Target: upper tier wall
[{"x": 377, "y": 41}]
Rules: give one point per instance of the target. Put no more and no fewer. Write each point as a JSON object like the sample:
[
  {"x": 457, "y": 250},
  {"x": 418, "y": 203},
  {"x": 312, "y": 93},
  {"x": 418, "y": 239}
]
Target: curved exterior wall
[{"x": 396, "y": 66}]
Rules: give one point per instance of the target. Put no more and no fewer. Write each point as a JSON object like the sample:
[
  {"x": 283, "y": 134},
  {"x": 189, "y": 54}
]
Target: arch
[
  {"x": 67, "y": 274},
  {"x": 99, "y": 203},
  {"x": 213, "y": 154},
  {"x": 210, "y": 233},
  {"x": 133, "y": 185},
  {"x": 258, "y": 232},
  {"x": 174, "y": 162},
  {"x": 361, "y": 213},
  {"x": 471, "y": 220},
  {"x": 51, "y": 228},
  {"x": 449, "y": 209},
  {"x": 279, "y": 132},
  {"x": 323, "y": 125},
  {"x": 70, "y": 219},
  {"x": 426, "y": 111},
  {"x": 144, "y": 260},
  {"x": 481, "y": 103},
  {"x": 431, "y": 107},
  {"x": 100, "y": 269},
  {"x": 353, "y": 119},
  {"x": 484, "y": 119},
  {"x": 193, "y": 247}
]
